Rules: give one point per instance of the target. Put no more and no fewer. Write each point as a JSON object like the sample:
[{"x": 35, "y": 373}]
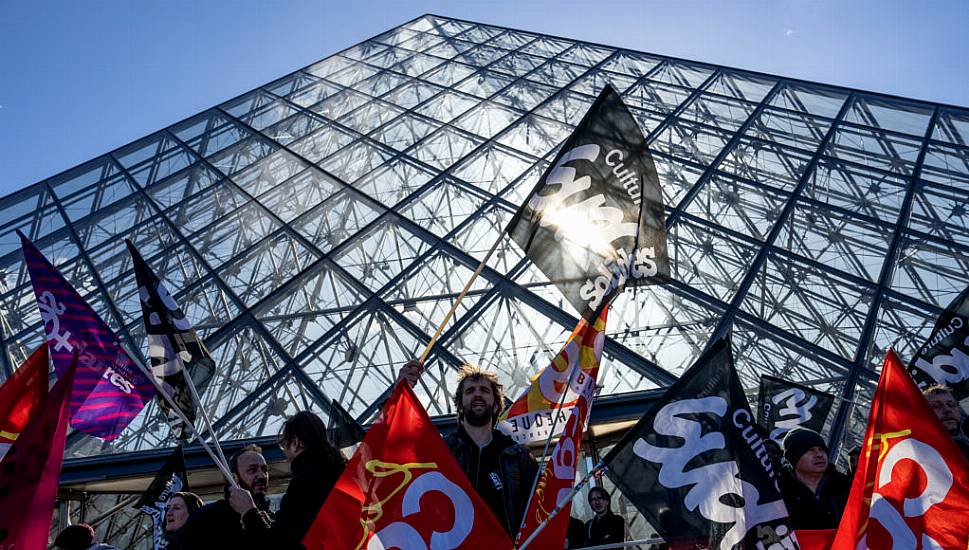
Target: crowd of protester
[{"x": 501, "y": 471}]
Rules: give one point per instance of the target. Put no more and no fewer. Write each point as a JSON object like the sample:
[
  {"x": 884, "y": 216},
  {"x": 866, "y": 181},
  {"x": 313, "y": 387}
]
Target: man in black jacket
[
  {"x": 500, "y": 470},
  {"x": 605, "y": 527},
  {"x": 217, "y": 525},
  {"x": 814, "y": 492},
  {"x": 316, "y": 466}
]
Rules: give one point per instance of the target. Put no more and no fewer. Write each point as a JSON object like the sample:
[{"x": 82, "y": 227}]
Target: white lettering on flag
[{"x": 711, "y": 482}]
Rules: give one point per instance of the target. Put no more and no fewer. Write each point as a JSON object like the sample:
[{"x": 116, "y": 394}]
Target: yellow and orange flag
[{"x": 532, "y": 416}]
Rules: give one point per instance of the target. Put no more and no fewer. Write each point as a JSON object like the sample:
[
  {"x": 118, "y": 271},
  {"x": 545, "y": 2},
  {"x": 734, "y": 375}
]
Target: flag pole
[
  {"x": 223, "y": 466},
  {"x": 558, "y": 507},
  {"x": 205, "y": 415},
  {"x": 464, "y": 291},
  {"x": 548, "y": 440}
]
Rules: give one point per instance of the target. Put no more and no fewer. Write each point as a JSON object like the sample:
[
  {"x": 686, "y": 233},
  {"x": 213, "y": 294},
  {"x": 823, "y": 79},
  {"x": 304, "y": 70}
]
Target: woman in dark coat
[
  {"x": 316, "y": 466},
  {"x": 179, "y": 508}
]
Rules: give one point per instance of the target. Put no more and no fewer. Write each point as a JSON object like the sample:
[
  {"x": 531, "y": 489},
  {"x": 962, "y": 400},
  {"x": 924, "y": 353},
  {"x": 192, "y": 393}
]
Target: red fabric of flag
[
  {"x": 817, "y": 539},
  {"x": 555, "y": 485},
  {"x": 911, "y": 489},
  {"x": 31, "y": 470},
  {"x": 21, "y": 396},
  {"x": 403, "y": 489}
]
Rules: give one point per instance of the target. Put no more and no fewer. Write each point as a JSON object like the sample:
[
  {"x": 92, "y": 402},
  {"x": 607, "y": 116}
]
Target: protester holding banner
[
  {"x": 944, "y": 404},
  {"x": 172, "y": 479},
  {"x": 403, "y": 489},
  {"x": 501, "y": 471},
  {"x": 911, "y": 489},
  {"x": 316, "y": 466},
  {"x": 814, "y": 492},
  {"x": 217, "y": 525}
]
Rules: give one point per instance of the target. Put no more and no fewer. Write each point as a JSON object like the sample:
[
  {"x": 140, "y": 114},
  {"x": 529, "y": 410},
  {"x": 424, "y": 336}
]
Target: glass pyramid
[{"x": 316, "y": 229}]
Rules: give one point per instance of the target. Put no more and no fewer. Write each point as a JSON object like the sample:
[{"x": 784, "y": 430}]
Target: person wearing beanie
[{"x": 814, "y": 492}]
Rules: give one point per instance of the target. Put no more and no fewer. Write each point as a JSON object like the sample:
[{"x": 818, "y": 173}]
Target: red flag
[
  {"x": 31, "y": 470},
  {"x": 403, "y": 489},
  {"x": 555, "y": 485},
  {"x": 558, "y": 477},
  {"x": 911, "y": 489},
  {"x": 818, "y": 539},
  {"x": 21, "y": 396}
]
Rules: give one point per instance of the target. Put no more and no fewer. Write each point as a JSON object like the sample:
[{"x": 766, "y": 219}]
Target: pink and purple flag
[{"x": 110, "y": 389}]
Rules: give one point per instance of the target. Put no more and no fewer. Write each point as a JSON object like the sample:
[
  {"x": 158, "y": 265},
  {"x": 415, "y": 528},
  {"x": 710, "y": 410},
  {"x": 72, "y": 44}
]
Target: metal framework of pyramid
[{"x": 316, "y": 229}]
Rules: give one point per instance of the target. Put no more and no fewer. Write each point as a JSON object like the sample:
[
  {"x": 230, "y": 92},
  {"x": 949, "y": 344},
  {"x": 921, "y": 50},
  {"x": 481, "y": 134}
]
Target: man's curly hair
[{"x": 474, "y": 372}]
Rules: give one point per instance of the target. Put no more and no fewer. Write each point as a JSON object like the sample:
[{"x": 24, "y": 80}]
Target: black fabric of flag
[
  {"x": 785, "y": 405},
  {"x": 695, "y": 465},
  {"x": 172, "y": 478},
  {"x": 173, "y": 347},
  {"x": 944, "y": 357},
  {"x": 343, "y": 430},
  {"x": 595, "y": 222}
]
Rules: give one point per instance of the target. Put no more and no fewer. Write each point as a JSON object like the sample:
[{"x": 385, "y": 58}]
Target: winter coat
[
  {"x": 515, "y": 472},
  {"x": 815, "y": 510},
  {"x": 575, "y": 535},
  {"x": 314, "y": 476},
  {"x": 610, "y": 528},
  {"x": 214, "y": 525},
  {"x": 963, "y": 443}
]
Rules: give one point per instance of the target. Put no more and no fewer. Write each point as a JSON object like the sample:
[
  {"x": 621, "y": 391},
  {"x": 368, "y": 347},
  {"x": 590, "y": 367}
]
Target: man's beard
[
  {"x": 479, "y": 419},
  {"x": 258, "y": 498}
]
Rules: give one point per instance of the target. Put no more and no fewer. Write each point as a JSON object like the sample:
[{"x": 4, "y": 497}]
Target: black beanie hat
[{"x": 798, "y": 441}]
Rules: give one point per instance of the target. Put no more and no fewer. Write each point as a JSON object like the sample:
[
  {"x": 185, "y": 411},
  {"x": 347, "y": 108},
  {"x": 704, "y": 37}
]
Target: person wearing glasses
[{"x": 316, "y": 466}]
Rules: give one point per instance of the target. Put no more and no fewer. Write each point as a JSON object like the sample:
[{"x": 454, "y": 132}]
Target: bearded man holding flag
[
  {"x": 500, "y": 471},
  {"x": 593, "y": 224},
  {"x": 402, "y": 489}
]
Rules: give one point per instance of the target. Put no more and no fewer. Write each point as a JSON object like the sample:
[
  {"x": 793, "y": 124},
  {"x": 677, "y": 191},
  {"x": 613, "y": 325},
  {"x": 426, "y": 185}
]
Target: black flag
[
  {"x": 785, "y": 405},
  {"x": 695, "y": 465},
  {"x": 344, "y": 430},
  {"x": 171, "y": 479},
  {"x": 173, "y": 346},
  {"x": 944, "y": 358},
  {"x": 595, "y": 222}
]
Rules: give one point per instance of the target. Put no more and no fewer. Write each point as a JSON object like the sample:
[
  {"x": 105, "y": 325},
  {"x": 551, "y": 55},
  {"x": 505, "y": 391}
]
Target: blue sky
[{"x": 79, "y": 78}]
